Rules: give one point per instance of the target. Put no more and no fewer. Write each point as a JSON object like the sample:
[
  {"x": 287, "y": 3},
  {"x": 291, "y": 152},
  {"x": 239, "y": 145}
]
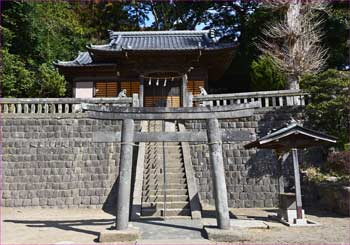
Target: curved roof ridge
[{"x": 169, "y": 32}]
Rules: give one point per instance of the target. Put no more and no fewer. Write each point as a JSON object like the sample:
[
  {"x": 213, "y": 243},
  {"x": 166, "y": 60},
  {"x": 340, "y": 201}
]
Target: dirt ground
[{"x": 81, "y": 226}]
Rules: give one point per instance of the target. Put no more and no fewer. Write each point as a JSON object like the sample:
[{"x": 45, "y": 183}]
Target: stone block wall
[
  {"x": 52, "y": 161},
  {"x": 251, "y": 175},
  {"x": 333, "y": 197}
]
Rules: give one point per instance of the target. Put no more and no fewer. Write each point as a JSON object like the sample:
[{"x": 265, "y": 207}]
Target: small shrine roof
[{"x": 291, "y": 136}]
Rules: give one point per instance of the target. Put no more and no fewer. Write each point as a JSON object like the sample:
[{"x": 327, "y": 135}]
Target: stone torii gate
[{"x": 214, "y": 137}]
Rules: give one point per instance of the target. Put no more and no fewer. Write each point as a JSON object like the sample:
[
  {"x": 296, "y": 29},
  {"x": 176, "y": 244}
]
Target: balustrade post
[
  {"x": 6, "y": 108},
  {"x": 289, "y": 100},
  {"x": 184, "y": 90},
  {"x": 19, "y": 108},
  {"x": 26, "y": 108},
  {"x": 40, "y": 108},
  {"x": 46, "y": 108},
  {"x": 135, "y": 100},
  {"x": 32, "y": 108},
  {"x": 273, "y": 101},
  {"x": 190, "y": 99},
  {"x": 280, "y": 101},
  {"x": 267, "y": 104},
  {"x": 59, "y": 108},
  {"x": 141, "y": 90}
]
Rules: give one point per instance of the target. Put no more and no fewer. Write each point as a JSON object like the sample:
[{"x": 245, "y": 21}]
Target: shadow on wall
[
  {"x": 264, "y": 161},
  {"x": 110, "y": 204}
]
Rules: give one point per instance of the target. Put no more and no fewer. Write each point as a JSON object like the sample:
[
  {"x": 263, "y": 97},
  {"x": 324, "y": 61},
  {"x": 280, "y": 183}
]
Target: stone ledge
[
  {"x": 230, "y": 235},
  {"x": 128, "y": 235}
]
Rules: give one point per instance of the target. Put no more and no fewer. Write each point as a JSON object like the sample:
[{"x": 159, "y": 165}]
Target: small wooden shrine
[
  {"x": 285, "y": 140},
  {"x": 163, "y": 67}
]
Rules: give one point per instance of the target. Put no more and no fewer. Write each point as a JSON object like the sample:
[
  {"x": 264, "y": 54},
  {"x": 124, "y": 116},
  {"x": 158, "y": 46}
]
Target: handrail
[{"x": 267, "y": 98}]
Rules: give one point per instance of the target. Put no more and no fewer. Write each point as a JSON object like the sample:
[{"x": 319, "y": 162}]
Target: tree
[
  {"x": 330, "y": 103},
  {"x": 337, "y": 38},
  {"x": 294, "y": 44},
  {"x": 240, "y": 21},
  {"x": 265, "y": 75},
  {"x": 16, "y": 80},
  {"x": 50, "y": 83},
  {"x": 34, "y": 34},
  {"x": 100, "y": 16}
]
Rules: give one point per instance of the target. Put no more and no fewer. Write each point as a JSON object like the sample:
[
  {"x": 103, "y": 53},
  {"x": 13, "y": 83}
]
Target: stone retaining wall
[
  {"x": 52, "y": 161},
  {"x": 251, "y": 175},
  {"x": 329, "y": 196}
]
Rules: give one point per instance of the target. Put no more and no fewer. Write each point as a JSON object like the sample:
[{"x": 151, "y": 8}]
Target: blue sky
[{"x": 151, "y": 20}]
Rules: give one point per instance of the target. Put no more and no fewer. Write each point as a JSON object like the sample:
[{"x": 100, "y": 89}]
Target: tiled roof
[
  {"x": 290, "y": 134},
  {"x": 151, "y": 41},
  {"x": 83, "y": 58},
  {"x": 161, "y": 40}
]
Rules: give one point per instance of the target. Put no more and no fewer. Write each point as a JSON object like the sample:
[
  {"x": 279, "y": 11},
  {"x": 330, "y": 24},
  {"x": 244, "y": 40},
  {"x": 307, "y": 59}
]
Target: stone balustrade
[
  {"x": 73, "y": 105},
  {"x": 277, "y": 98},
  {"x": 57, "y": 105}
]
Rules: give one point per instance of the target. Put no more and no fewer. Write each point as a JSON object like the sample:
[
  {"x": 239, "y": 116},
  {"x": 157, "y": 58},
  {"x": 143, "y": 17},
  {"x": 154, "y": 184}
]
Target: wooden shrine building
[{"x": 163, "y": 67}]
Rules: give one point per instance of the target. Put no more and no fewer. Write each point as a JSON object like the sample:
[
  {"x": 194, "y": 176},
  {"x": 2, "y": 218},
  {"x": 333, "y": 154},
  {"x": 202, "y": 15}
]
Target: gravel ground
[{"x": 81, "y": 226}]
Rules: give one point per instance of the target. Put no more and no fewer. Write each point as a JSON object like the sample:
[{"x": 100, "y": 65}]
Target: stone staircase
[{"x": 176, "y": 199}]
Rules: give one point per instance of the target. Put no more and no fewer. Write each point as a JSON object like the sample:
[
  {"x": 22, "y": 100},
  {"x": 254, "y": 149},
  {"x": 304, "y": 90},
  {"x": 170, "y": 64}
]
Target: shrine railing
[
  {"x": 74, "y": 105},
  {"x": 277, "y": 98},
  {"x": 57, "y": 105}
]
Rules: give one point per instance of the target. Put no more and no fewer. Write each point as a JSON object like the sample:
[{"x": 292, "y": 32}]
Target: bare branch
[{"x": 294, "y": 44}]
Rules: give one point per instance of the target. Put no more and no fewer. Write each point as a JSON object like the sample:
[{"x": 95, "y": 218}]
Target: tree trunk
[
  {"x": 293, "y": 21},
  {"x": 293, "y": 16},
  {"x": 292, "y": 82}
]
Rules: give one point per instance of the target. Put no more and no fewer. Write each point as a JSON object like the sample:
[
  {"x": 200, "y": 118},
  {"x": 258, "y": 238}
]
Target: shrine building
[{"x": 163, "y": 67}]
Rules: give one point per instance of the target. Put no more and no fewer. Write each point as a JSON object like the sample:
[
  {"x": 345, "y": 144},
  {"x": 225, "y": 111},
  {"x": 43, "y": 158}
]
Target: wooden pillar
[
  {"x": 184, "y": 90},
  {"x": 141, "y": 91},
  {"x": 125, "y": 169},
  {"x": 297, "y": 183},
  {"x": 218, "y": 171}
]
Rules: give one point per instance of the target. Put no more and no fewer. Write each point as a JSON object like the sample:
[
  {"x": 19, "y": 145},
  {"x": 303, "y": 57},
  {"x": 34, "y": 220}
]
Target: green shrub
[
  {"x": 339, "y": 162},
  {"x": 16, "y": 79},
  {"x": 51, "y": 83},
  {"x": 265, "y": 75},
  {"x": 329, "y": 107}
]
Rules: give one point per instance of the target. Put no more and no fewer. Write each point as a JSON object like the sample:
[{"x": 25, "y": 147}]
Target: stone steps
[
  {"x": 169, "y": 176},
  {"x": 177, "y": 200},
  {"x": 159, "y": 186},
  {"x": 169, "y": 198},
  {"x": 169, "y": 205},
  {"x": 159, "y": 180},
  {"x": 169, "y": 212},
  {"x": 168, "y": 192},
  {"x": 169, "y": 170}
]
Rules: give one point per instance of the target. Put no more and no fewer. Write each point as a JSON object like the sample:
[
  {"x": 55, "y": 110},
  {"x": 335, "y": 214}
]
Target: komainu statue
[
  {"x": 203, "y": 91},
  {"x": 122, "y": 93}
]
